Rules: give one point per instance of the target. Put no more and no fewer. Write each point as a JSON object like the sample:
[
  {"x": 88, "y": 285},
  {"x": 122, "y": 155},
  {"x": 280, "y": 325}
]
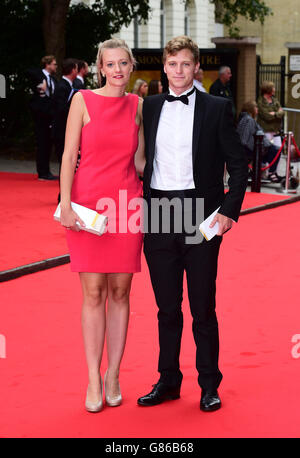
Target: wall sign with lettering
[{"x": 295, "y": 63}]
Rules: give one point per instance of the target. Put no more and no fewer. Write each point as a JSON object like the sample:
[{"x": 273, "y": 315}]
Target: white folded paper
[
  {"x": 94, "y": 222},
  {"x": 209, "y": 232}
]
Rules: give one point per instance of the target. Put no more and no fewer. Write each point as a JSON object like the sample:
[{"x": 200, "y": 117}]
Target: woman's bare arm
[
  {"x": 139, "y": 159},
  {"x": 69, "y": 161}
]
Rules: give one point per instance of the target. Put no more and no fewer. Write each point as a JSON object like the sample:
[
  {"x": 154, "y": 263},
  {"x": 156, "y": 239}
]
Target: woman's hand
[{"x": 69, "y": 219}]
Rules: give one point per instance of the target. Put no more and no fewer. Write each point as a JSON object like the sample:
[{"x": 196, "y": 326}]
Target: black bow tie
[{"x": 183, "y": 98}]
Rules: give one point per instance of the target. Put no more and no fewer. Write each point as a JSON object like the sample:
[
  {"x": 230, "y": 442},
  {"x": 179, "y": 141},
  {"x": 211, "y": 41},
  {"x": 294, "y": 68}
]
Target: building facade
[
  {"x": 170, "y": 18},
  {"x": 283, "y": 26}
]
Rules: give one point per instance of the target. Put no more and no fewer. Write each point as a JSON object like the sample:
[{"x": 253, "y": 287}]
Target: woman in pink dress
[{"x": 106, "y": 124}]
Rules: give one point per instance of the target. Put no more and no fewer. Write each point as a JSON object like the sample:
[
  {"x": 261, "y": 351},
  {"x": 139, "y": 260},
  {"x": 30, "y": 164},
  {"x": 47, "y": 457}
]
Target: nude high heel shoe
[
  {"x": 95, "y": 406},
  {"x": 115, "y": 400}
]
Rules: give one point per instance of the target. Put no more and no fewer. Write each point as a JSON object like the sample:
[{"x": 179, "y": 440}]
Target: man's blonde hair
[
  {"x": 177, "y": 44},
  {"x": 112, "y": 43}
]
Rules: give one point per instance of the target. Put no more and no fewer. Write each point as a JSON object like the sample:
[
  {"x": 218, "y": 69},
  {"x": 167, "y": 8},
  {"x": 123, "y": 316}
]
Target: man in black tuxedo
[
  {"x": 83, "y": 70},
  {"x": 189, "y": 137},
  {"x": 61, "y": 104},
  {"x": 43, "y": 85}
]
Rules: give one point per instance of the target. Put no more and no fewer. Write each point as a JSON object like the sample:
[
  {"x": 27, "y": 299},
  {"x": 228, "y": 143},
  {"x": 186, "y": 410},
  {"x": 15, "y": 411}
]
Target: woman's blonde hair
[
  {"x": 138, "y": 83},
  {"x": 112, "y": 43},
  {"x": 266, "y": 87}
]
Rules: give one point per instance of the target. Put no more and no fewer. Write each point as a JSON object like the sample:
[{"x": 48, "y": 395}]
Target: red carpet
[
  {"x": 29, "y": 231},
  {"x": 30, "y": 234},
  {"x": 254, "y": 199},
  {"x": 43, "y": 378}
]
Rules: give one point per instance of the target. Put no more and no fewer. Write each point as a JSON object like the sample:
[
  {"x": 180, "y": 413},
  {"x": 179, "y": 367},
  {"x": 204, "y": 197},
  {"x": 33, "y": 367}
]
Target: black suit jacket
[
  {"x": 78, "y": 84},
  {"x": 215, "y": 143},
  {"x": 61, "y": 106},
  {"x": 41, "y": 106}
]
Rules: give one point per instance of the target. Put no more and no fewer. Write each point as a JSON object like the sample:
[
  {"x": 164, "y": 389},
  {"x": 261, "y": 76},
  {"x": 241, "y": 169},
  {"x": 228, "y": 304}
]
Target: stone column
[{"x": 246, "y": 66}]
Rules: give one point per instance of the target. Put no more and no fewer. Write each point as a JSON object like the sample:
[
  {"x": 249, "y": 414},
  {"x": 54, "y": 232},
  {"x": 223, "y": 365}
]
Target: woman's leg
[
  {"x": 94, "y": 288},
  {"x": 119, "y": 285}
]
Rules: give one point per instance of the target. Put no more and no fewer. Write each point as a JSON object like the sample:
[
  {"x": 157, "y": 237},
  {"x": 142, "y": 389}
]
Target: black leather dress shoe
[
  {"x": 160, "y": 393},
  {"x": 48, "y": 177},
  {"x": 210, "y": 401}
]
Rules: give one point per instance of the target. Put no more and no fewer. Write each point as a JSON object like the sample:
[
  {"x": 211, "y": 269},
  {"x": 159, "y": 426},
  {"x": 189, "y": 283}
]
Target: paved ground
[{"x": 19, "y": 166}]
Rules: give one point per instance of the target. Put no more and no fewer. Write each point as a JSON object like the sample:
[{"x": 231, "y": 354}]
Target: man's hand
[
  {"x": 225, "y": 223},
  {"x": 42, "y": 87}
]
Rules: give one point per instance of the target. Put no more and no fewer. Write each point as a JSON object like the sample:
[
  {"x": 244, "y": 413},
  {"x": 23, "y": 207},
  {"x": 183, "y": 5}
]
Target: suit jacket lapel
[
  {"x": 154, "y": 127},
  {"x": 199, "y": 114}
]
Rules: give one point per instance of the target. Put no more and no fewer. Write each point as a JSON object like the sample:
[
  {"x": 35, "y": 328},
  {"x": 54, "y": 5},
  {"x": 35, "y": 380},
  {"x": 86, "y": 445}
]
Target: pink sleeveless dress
[{"x": 106, "y": 181}]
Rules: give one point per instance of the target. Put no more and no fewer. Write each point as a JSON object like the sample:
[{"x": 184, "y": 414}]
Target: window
[
  {"x": 136, "y": 40},
  {"x": 162, "y": 24},
  {"x": 186, "y": 20}
]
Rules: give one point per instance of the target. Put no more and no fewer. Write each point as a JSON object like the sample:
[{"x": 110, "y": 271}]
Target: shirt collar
[
  {"x": 69, "y": 81},
  {"x": 182, "y": 93}
]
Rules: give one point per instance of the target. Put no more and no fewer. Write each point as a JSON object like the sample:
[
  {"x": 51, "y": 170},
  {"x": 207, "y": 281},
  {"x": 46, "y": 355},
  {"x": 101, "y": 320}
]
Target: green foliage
[
  {"x": 228, "y": 11},
  {"x": 88, "y": 26}
]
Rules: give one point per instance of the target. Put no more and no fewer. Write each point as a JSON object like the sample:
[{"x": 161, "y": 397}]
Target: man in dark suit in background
[
  {"x": 221, "y": 87},
  {"x": 189, "y": 137},
  {"x": 43, "y": 85},
  {"x": 61, "y": 104},
  {"x": 83, "y": 70}
]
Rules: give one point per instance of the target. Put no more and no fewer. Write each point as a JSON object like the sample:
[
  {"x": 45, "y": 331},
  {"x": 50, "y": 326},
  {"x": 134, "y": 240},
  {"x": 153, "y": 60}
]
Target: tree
[
  {"x": 77, "y": 30},
  {"x": 228, "y": 11},
  {"x": 54, "y": 27},
  {"x": 100, "y": 21}
]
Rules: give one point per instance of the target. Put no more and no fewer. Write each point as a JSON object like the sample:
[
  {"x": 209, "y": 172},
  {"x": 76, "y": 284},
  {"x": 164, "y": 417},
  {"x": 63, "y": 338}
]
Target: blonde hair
[
  {"x": 266, "y": 87},
  {"x": 112, "y": 43},
  {"x": 179, "y": 43},
  {"x": 136, "y": 87}
]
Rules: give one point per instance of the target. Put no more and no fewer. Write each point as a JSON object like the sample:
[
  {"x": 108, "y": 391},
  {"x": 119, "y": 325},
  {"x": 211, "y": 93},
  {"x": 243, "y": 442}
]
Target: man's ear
[{"x": 197, "y": 67}]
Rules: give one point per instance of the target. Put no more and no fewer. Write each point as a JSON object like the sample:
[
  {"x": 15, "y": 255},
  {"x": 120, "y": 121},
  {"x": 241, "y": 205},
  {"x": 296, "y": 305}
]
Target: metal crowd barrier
[{"x": 289, "y": 183}]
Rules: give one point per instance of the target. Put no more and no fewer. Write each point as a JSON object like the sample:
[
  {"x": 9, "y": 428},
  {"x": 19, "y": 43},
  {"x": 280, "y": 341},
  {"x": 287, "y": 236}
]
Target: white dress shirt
[
  {"x": 80, "y": 78},
  {"x": 69, "y": 81},
  {"x": 49, "y": 82},
  {"x": 71, "y": 84},
  {"x": 173, "y": 160}
]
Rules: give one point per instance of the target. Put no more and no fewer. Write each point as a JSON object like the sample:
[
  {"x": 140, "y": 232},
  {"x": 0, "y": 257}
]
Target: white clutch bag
[{"x": 94, "y": 222}]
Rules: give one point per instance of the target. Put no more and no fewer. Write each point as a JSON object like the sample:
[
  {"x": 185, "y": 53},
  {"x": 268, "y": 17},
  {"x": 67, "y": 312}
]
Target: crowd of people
[
  {"x": 264, "y": 115},
  {"x": 50, "y": 105},
  {"x": 52, "y": 98}
]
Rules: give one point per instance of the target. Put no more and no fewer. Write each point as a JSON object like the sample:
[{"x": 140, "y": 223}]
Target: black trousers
[
  {"x": 44, "y": 141},
  {"x": 168, "y": 256}
]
